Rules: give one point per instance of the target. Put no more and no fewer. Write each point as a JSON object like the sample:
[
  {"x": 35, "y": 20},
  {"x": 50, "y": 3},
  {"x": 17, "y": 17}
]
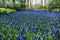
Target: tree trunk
[
  {"x": 27, "y": 4},
  {"x": 14, "y": 1},
  {"x": 3, "y": 5}
]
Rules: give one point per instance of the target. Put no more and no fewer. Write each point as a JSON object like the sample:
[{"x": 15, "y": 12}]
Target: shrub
[
  {"x": 6, "y": 11},
  {"x": 17, "y": 7},
  {"x": 54, "y": 5}
]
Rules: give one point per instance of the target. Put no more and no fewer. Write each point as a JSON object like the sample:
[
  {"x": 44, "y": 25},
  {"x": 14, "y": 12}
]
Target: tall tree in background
[
  {"x": 31, "y": 4},
  {"x": 22, "y": 4},
  {"x": 13, "y": 0},
  {"x": 0, "y": 3},
  {"x": 3, "y": 4},
  {"x": 27, "y": 4}
]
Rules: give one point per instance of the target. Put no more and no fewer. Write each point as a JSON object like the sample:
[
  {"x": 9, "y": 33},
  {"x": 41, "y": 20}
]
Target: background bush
[
  {"x": 54, "y": 5},
  {"x": 6, "y": 11},
  {"x": 13, "y": 5}
]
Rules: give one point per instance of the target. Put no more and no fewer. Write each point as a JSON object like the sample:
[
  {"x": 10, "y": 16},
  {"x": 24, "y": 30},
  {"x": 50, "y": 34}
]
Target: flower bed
[{"x": 30, "y": 25}]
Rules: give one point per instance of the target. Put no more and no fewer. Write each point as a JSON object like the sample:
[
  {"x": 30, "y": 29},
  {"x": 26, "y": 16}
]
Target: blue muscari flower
[
  {"x": 17, "y": 28},
  {"x": 54, "y": 36},
  {"x": 38, "y": 32},
  {"x": 59, "y": 33},
  {"x": 10, "y": 23},
  {"x": 56, "y": 25},
  {"x": 16, "y": 23},
  {"x": 24, "y": 37},
  {"x": 34, "y": 29},
  {"x": 11, "y": 32},
  {"x": 44, "y": 26},
  {"x": 4, "y": 17},
  {"x": 55, "y": 30},
  {"x": 21, "y": 31},
  {"x": 2, "y": 22},
  {"x": 5, "y": 32},
  {"x": 43, "y": 38},
  {"x": 4, "y": 25},
  {"x": 41, "y": 19},
  {"x": 51, "y": 27},
  {"x": 18, "y": 38},
  {"x": 29, "y": 27},
  {"x": 53, "y": 21},
  {"x": 46, "y": 31},
  {"x": 1, "y": 36},
  {"x": 26, "y": 23}
]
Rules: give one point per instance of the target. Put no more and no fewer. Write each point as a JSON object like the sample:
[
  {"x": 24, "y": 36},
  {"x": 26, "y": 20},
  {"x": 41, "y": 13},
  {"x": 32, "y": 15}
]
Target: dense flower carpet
[{"x": 30, "y": 25}]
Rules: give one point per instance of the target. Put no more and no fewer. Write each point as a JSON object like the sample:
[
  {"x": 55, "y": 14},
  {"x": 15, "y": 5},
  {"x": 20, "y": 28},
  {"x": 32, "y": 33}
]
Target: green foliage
[
  {"x": 54, "y": 4},
  {"x": 6, "y": 11},
  {"x": 13, "y": 5},
  {"x": 22, "y": 5}
]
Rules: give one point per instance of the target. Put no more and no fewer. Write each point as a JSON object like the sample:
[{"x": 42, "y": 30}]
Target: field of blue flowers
[{"x": 30, "y": 25}]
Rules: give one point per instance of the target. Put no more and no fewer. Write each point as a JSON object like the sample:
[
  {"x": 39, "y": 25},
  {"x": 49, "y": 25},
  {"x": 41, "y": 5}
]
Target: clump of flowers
[{"x": 30, "y": 25}]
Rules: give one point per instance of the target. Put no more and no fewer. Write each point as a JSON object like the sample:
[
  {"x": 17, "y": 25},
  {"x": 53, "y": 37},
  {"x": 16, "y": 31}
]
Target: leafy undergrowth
[
  {"x": 30, "y": 25},
  {"x": 7, "y": 11}
]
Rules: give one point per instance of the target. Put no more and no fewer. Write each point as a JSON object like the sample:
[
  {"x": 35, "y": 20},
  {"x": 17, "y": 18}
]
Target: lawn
[{"x": 30, "y": 25}]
